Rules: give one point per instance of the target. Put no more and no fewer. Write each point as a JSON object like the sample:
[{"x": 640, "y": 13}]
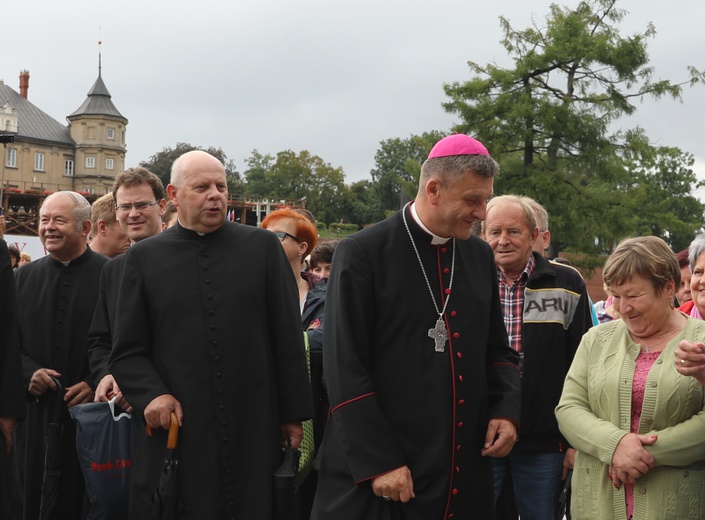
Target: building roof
[
  {"x": 32, "y": 122},
  {"x": 98, "y": 102}
]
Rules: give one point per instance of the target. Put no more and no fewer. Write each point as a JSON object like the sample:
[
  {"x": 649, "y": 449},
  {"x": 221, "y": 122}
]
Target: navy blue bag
[{"x": 104, "y": 444}]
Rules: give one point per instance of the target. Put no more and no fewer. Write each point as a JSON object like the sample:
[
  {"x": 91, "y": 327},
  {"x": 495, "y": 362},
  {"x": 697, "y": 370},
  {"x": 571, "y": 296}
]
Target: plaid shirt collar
[
  {"x": 530, "y": 265},
  {"x": 512, "y": 299}
]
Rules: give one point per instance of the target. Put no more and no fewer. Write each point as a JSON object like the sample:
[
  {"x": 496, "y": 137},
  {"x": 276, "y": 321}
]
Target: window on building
[
  {"x": 90, "y": 162},
  {"x": 111, "y": 133},
  {"x": 39, "y": 161},
  {"x": 109, "y": 164},
  {"x": 68, "y": 168},
  {"x": 11, "y": 158}
]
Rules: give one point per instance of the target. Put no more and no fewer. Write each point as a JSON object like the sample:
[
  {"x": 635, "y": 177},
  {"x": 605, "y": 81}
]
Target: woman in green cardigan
[{"x": 638, "y": 425}]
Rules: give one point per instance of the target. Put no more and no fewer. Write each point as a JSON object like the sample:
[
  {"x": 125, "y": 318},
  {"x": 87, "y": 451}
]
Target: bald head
[
  {"x": 199, "y": 191},
  {"x": 195, "y": 159}
]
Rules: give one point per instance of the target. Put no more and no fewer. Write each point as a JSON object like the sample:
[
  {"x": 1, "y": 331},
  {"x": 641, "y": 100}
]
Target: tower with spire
[
  {"x": 45, "y": 155},
  {"x": 98, "y": 129}
]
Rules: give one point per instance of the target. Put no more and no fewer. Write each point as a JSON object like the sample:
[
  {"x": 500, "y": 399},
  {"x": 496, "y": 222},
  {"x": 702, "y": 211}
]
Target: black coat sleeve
[{"x": 11, "y": 389}]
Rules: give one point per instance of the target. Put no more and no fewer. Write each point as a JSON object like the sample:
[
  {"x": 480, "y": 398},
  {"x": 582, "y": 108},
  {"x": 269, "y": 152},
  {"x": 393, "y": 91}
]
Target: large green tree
[
  {"x": 551, "y": 121},
  {"x": 160, "y": 163},
  {"x": 297, "y": 177}
]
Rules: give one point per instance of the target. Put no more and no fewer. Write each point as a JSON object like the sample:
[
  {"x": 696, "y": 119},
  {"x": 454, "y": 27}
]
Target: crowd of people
[{"x": 433, "y": 365}]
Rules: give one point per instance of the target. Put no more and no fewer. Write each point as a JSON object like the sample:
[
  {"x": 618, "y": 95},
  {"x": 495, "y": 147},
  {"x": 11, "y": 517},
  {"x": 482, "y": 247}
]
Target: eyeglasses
[
  {"x": 281, "y": 235},
  {"x": 139, "y": 206}
]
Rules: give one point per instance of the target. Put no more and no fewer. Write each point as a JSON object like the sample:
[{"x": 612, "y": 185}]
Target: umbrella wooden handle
[{"x": 173, "y": 432}]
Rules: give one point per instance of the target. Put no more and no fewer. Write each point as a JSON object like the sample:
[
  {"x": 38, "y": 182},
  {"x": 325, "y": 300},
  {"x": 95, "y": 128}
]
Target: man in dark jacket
[
  {"x": 139, "y": 201},
  {"x": 546, "y": 312},
  {"x": 418, "y": 409}
]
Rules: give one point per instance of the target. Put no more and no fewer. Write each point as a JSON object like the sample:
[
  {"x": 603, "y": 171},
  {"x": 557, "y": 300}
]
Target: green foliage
[
  {"x": 360, "y": 204},
  {"x": 296, "y": 177},
  {"x": 550, "y": 120},
  {"x": 397, "y": 167},
  {"x": 160, "y": 163}
]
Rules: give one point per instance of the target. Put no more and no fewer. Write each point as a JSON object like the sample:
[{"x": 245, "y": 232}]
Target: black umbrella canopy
[
  {"x": 165, "y": 498},
  {"x": 52, "y": 457}
]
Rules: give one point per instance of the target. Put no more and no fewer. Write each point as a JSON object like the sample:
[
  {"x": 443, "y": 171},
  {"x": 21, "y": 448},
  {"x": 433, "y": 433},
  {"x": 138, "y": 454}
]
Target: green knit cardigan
[{"x": 594, "y": 414}]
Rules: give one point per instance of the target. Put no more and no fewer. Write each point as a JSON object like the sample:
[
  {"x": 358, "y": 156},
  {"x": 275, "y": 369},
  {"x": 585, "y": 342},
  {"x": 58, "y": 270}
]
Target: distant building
[{"x": 47, "y": 156}]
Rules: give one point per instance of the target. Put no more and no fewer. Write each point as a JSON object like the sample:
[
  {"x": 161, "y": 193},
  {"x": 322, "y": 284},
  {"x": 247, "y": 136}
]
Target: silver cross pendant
[{"x": 439, "y": 334}]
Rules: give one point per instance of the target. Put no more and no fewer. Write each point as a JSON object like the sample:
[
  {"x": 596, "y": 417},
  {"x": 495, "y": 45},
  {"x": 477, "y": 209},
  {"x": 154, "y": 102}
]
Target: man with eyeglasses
[
  {"x": 139, "y": 204},
  {"x": 208, "y": 328}
]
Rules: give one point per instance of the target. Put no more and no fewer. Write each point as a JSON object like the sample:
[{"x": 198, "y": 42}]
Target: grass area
[{"x": 330, "y": 235}]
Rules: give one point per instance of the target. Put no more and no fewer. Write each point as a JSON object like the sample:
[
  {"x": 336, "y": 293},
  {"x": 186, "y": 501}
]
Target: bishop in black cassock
[{"x": 405, "y": 401}]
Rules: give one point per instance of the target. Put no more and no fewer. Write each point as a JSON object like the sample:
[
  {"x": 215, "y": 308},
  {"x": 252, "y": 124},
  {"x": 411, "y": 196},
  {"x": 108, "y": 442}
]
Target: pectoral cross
[{"x": 439, "y": 334}]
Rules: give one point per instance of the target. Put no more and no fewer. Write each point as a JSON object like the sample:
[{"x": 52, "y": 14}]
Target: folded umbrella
[
  {"x": 52, "y": 457},
  {"x": 563, "y": 507},
  {"x": 165, "y": 497}
]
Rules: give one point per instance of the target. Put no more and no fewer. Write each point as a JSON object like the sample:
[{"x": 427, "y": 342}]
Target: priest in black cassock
[
  {"x": 423, "y": 386},
  {"x": 12, "y": 405},
  {"x": 56, "y": 296},
  {"x": 208, "y": 326}
]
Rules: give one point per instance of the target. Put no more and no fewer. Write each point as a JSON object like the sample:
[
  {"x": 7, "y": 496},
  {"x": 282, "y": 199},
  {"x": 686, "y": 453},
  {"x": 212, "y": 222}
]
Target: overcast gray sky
[{"x": 334, "y": 78}]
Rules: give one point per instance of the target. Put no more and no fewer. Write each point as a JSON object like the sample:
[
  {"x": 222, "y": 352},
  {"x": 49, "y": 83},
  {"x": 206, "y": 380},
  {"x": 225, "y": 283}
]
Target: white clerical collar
[{"x": 435, "y": 240}]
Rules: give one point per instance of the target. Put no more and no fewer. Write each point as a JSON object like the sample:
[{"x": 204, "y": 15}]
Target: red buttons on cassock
[
  {"x": 457, "y": 448},
  {"x": 453, "y": 313},
  {"x": 460, "y": 424},
  {"x": 456, "y": 335},
  {"x": 459, "y": 354},
  {"x": 457, "y": 469},
  {"x": 455, "y": 491},
  {"x": 460, "y": 378},
  {"x": 448, "y": 291},
  {"x": 461, "y": 402},
  {"x": 444, "y": 250},
  {"x": 446, "y": 270}
]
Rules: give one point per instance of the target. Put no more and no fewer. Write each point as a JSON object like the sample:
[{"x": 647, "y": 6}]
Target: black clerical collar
[
  {"x": 76, "y": 261},
  {"x": 435, "y": 239},
  {"x": 188, "y": 229},
  {"x": 190, "y": 232}
]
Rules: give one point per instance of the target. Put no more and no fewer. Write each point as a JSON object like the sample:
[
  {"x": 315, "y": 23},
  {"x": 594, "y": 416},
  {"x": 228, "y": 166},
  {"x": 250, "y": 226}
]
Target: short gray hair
[
  {"x": 695, "y": 249},
  {"x": 453, "y": 167},
  {"x": 81, "y": 207},
  {"x": 527, "y": 208},
  {"x": 540, "y": 212}
]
